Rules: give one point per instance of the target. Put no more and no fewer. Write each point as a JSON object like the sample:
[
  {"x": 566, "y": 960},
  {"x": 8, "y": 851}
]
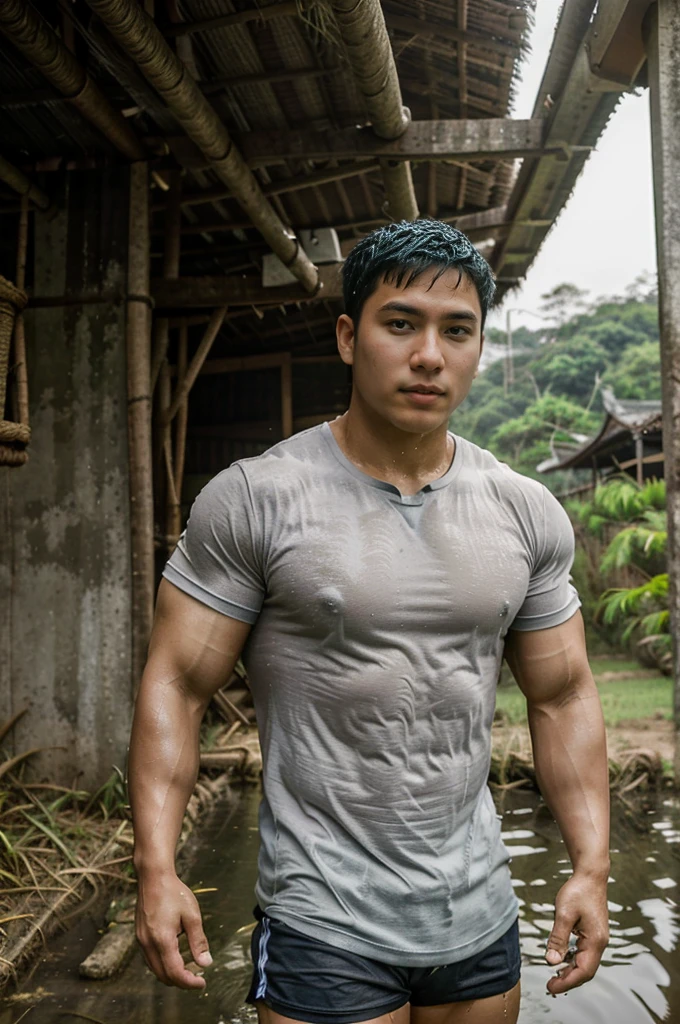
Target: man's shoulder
[
  {"x": 285, "y": 461},
  {"x": 488, "y": 471}
]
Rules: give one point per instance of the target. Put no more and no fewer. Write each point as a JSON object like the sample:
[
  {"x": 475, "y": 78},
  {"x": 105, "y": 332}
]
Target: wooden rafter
[{"x": 471, "y": 139}]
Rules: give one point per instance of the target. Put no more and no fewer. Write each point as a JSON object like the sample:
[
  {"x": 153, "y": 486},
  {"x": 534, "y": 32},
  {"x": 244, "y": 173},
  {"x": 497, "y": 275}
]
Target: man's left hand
[{"x": 581, "y": 908}]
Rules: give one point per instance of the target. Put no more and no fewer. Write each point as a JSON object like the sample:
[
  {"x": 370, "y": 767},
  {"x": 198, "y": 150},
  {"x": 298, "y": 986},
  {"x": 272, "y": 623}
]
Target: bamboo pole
[
  {"x": 138, "y": 339},
  {"x": 20, "y": 372},
  {"x": 206, "y": 343},
  {"x": 174, "y": 508},
  {"x": 364, "y": 33},
  {"x": 38, "y": 42},
  {"x": 171, "y": 262},
  {"x": 137, "y": 34},
  {"x": 18, "y": 181}
]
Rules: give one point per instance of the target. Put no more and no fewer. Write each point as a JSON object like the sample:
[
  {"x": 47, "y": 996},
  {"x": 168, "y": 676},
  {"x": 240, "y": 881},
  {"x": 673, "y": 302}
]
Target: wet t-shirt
[{"x": 378, "y": 629}]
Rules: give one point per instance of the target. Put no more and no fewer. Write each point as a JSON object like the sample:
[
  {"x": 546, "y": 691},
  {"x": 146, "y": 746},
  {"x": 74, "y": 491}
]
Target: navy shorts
[{"x": 308, "y": 980}]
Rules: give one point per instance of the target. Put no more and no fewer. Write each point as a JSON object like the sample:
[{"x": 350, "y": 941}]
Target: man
[{"x": 374, "y": 571}]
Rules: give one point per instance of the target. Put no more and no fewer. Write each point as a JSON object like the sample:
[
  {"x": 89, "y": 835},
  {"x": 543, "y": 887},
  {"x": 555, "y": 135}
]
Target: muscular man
[{"x": 374, "y": 571}]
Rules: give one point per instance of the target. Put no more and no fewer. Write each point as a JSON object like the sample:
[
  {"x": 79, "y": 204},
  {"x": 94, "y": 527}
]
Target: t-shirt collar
[{"x": 392, "y": 489}]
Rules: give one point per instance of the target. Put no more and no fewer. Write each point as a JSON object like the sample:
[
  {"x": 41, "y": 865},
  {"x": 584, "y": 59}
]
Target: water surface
[{"x": 638, "y": 983}]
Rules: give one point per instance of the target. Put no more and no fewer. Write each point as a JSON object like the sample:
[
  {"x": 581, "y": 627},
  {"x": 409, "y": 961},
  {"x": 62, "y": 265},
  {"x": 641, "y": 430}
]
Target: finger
[
  {"x": 174, "y": 967},
  {"x": 582, "y": 969},
  {"x": 558, "y": 942},
  {"x": 198, "y": 943}
]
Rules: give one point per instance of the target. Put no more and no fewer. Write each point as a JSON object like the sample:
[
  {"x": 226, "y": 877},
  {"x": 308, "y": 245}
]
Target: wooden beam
[
  {"x": 277, "y": 188},
  {"x": 20, "y": 183},
  {"x": 284, "y": 9},
  {"x": 185, "y": 385},
  {"x": 445, "y": 30},
  {"x": 213, "y": 85},
  {"x": 466, "y": 139},
  {"x": 201, "y": 292}
]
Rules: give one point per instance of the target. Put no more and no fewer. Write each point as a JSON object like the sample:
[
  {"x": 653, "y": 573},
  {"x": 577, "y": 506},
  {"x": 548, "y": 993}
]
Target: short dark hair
[{"x": 401, "y": 252}]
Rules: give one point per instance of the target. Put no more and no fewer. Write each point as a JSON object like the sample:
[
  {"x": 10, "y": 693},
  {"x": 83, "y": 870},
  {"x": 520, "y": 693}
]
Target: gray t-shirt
[{"x": 378, "y": 633}]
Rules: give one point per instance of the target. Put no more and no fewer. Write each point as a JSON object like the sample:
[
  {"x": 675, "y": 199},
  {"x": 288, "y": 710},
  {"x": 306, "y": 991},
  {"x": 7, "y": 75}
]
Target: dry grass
[{"x": 60, "y": 848}]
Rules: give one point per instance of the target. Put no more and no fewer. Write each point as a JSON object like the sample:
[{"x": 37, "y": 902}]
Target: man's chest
[{"x": 372, "y": 568}]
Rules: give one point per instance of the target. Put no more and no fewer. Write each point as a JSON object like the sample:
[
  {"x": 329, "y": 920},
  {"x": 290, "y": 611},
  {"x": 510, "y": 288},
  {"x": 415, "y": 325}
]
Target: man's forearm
[
  {"x": 162, "y": 768},
  {"x": 570, "y": 755}
]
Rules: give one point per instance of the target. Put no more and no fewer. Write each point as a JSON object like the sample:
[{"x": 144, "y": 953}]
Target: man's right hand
[{"x": 166, "y": 907}]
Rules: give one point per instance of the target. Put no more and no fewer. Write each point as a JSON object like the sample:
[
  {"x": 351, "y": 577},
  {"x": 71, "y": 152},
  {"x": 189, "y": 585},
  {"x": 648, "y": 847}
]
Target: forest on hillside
[{"x": 560, "y": 368}]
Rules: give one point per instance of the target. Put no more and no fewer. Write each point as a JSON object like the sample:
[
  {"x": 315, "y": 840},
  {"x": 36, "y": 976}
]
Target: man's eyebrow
[{"x": 402, "y": 307}]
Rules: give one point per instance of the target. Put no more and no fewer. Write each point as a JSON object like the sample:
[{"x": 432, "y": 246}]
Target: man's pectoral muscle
[
  {"x": 570, "y": 756},
  {"x": 192, "y": 654}
]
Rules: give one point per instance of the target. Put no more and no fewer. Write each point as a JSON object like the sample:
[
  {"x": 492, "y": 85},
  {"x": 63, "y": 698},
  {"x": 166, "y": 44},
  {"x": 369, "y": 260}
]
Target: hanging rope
[{"x": 14, "y": 437}]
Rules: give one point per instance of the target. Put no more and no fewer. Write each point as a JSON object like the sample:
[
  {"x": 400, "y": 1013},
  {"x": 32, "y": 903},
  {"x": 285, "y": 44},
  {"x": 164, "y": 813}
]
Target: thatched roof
[{"x": 455, "y": 59}]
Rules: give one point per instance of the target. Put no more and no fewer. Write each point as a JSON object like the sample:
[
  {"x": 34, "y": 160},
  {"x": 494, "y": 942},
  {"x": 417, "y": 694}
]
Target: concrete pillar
[
  {"x": 64, "y": 517},
  {"x": 663, "y": 47}
]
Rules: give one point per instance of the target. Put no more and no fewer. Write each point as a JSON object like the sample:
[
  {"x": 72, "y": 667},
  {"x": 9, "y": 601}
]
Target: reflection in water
[{"x": 638, "y": 983}]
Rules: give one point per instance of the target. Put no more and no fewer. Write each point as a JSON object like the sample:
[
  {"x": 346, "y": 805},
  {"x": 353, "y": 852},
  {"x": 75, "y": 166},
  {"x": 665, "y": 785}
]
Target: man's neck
[{"x": 408, "y": 461}]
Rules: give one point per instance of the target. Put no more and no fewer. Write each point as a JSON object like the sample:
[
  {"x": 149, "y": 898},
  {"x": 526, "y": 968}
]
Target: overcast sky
[{"x": 604, "y": 236}]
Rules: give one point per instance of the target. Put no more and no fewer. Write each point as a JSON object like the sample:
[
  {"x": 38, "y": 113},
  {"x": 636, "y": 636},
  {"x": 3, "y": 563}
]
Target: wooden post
[
  {"x": 175, "y": 510},
  {"x": 138, "y": 341},
  {"x": 639, "y": 458},
  {"x": 20, "y": 372},
  {"x": 194, "y": 368},
  {"x": 663, "y": 46},
  {"x": 286, "y": 395},
  {"x": 163, "y": 460}
]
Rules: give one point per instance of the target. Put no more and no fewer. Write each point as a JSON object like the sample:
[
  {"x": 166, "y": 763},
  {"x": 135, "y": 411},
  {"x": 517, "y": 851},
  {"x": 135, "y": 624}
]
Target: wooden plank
[
  {"x": 461, "y": 139},
  {"x": 201, "y": 292}
]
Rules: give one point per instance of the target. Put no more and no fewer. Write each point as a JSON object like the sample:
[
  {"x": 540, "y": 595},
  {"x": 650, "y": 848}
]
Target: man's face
[{"x": 416, "y": 350}]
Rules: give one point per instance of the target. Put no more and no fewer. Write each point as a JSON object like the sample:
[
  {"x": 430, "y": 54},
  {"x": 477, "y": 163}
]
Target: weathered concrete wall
[{"x": 64, "y": 523}]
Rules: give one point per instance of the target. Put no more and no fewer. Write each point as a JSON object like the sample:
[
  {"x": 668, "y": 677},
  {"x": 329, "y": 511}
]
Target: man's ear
[{"x": 344, "y": 333}]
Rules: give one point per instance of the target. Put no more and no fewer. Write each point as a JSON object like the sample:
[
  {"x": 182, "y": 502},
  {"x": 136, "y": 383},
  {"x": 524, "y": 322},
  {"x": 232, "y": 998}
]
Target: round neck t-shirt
[{"x": 378, "y": 628}]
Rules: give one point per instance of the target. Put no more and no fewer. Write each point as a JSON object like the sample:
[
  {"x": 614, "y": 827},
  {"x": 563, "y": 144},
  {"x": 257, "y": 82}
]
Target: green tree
[
  {"x": 562, "y": 302},
  {"x": 525, "y": 440},
  {"x": 638, "y": 373},
  {"x": 571, "y": 367}
]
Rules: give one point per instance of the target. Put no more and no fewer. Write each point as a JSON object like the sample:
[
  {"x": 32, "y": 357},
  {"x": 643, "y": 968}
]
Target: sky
[{"x": 604, "y": 237}]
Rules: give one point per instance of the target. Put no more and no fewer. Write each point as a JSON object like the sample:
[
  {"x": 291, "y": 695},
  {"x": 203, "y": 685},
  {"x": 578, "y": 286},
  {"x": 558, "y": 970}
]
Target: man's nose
[{"x": 428, "y": 353}]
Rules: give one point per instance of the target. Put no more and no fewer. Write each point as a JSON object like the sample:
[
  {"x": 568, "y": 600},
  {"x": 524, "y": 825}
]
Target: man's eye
[
  {"x": 399, "y": 324},
  {"x": 457, "y": 332}
]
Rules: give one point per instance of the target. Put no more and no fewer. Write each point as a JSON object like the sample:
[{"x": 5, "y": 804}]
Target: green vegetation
[
  {"x": 560, "y": 370},
  {"x": 638, "y": 516},
  {"x": 622, "y": 699}
]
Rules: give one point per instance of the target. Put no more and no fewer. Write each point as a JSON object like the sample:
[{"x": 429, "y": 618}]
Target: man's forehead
[{"x": 432, "y": 284}]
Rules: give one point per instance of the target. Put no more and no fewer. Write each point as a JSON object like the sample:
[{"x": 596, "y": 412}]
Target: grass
[{"x": 622, "y": 699}]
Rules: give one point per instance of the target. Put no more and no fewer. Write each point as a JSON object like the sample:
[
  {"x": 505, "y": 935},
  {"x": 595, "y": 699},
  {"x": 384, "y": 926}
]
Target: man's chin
[{"x": 421, "y": 421}]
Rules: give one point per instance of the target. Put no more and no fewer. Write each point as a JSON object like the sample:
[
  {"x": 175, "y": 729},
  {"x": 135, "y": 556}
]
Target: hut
[
  {"x": 630, "y": 440},
  {"x": 179, "y": 183}
]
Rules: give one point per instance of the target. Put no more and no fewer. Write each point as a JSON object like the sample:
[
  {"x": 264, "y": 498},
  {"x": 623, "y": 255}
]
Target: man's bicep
[
  {"x": 550, "y": 663},
  {"x": 192, "y": 643}
]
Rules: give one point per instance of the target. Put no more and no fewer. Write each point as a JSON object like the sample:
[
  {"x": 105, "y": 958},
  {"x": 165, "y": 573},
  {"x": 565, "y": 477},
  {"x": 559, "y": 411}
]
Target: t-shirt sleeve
[
  {"x": 551, "y": 597},
  {"x": 218, "y": 559}
]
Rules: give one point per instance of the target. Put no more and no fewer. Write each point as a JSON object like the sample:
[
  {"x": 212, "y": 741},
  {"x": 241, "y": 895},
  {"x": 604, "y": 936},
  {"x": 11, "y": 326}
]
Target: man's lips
[{"x": 424, "y": 389}]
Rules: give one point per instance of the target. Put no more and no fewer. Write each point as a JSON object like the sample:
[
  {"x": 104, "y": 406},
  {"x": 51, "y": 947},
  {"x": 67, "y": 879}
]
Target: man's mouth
[{"x": 425, "y": 389}]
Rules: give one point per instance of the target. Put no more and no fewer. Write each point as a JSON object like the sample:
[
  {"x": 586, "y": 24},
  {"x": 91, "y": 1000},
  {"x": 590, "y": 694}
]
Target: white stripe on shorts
[{"x": 262, "y": 960}]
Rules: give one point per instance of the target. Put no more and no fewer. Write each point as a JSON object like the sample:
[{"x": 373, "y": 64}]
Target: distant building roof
[{"x": 625, "y": 418}]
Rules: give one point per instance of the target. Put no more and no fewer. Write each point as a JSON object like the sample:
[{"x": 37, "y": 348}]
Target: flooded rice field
[{"x": 638, "y": 983}]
